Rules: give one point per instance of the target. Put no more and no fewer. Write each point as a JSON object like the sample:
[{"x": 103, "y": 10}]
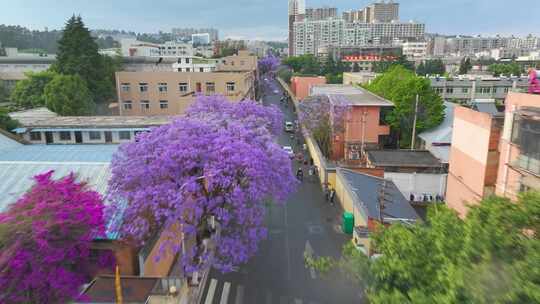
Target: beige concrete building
[{"x": 170, "y": 93}]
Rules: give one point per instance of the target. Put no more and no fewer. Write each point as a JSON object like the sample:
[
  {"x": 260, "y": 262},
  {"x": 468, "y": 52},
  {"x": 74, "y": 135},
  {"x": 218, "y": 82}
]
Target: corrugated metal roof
[
  {"x": 19, "y": 163},
  {"x": 443, "y": 132},
  {"x": 367, "y": 189}
]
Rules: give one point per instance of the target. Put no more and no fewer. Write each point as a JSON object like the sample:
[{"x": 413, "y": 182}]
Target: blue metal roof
[{"x": 19, "y": 163}]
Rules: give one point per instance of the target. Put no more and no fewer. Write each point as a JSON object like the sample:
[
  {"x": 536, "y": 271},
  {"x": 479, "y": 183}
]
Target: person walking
[
  {"x": 326, "y": 192},
  {"x": 300, "y": 174},
  {"x": 332, "y": 196}
]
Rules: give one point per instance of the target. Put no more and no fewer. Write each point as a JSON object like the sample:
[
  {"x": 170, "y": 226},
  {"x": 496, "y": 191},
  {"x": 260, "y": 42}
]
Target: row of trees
[
  {"x": 80, "y": 78},
  {"x": 491, "y": 256},
  {"x": 401, "y": 86},
  {"x": 507, "y": 69},
  {"x": 311, "y": 65}
]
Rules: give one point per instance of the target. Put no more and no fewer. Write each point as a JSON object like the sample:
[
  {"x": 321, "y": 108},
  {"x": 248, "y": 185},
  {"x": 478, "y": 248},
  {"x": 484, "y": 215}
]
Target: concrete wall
[
  {"x": 418, "y": 183},
  {"x": 179, "y": 101},
  {"x": 159, "y": 264},
  {"x": 509, "y": 180},
  {"x": 471, "y": 158}
]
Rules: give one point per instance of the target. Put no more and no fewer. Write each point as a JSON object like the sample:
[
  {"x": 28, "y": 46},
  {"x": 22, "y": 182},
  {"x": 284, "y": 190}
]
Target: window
[
  {"x": 125, "y": 87},
  {"x": 65, "y": 135},
  {"x": 464, "y": 90},
  {"x": 183, "y": 87},
  {"x": 188, "y": 70},
  {"x": 162, "y": 87},
  {"x": 94, "y": 135},
  {"x": 124, "y": 135},
  {"x": 143, "y": 87},
  {"x": 210, "y": 87},
  {"x": 230, "y": 86},
  {"x": 201, "y": 70},
  {"x": 439, "y": 90},
  {"x": 145, "y": 105},
  {"x": 505, "y": 90},
  {"x": 163, "y": 104},
  {"x": 482, "y": 90},
  {"x": 35, "y": 135},
  {"x": 450, "y": 90},
  {"x": 187, "y": 61},
  {"x": 127, "y": 105}
]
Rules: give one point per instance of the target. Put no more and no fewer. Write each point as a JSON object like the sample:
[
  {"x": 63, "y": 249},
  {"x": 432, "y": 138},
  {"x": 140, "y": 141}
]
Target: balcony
[{"x": 529, "y": 164}]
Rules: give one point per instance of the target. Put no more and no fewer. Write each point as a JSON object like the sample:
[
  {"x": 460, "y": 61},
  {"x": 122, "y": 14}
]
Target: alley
[{"x": 277, "y": 274}]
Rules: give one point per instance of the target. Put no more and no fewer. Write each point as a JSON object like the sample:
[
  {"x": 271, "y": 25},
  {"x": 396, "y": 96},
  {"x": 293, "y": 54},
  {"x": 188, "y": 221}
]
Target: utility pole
[
  {"x": 382, "y": 200},
  {"x": 414, "y": 124},
  {"x": 363, "y": 132}
]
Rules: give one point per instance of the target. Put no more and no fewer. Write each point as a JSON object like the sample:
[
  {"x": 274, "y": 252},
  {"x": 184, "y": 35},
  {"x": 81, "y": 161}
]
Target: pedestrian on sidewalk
[{"x": 332, "y": 196}]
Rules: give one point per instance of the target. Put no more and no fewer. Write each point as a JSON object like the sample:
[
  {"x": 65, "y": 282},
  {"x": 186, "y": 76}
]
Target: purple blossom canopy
[
  {"x": 268, "y": 63},
  {"x": 219, "y": 161},
  {"x": 45, "y": 241}
]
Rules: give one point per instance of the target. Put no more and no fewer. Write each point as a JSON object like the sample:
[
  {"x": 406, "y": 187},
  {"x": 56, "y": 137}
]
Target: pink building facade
[
  {"x": 474, "y": 158},
  {"x": 519, "y": 164}
]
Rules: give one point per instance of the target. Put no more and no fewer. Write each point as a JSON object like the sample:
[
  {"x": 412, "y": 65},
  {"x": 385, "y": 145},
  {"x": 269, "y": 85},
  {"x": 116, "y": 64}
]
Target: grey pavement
[{"x": 277, "y": 274}]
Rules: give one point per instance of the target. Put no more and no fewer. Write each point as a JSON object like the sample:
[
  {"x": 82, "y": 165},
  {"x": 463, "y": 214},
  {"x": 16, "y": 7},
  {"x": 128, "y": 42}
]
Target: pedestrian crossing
[{"x": 218, "y": 292}]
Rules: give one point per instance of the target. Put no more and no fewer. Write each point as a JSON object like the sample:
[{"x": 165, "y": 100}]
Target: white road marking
[
  {"x": 211, "y": 291},
  {"x": 268, "y": 298},
  {"x": 297, "y": 301},
  {"x": 239, "y": 295},
  {"x": 225, "y": 293}
]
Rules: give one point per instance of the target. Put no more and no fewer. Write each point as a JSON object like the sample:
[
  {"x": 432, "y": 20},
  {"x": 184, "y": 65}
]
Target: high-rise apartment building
[
  {"x": 311, "y": 35},
  {"x": 321, "y": 13},
  {"x": 382, "y": 12},
  {"x": 297, "y": 11}
]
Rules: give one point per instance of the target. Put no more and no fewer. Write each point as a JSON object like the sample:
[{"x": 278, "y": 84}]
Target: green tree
[
  {"x": 68, "y": 95},
  {"x": 28, "y": 93},
  {"x": 465, "y": 66},
  {"x": 508, "y": 69},
  {"x": 78, "y": 55},
  {"x": 491, "y": 256},
  {"x": 401, "y": 86},
  {"x": 431, "y": 67},
  {"x": 6, "y": 122},
  {"x": 384, "y": 65},
  {"x": 285, "y": 74}
]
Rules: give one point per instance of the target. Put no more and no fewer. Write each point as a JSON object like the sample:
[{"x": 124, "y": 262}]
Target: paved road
[{"x": 277, "y": 274}]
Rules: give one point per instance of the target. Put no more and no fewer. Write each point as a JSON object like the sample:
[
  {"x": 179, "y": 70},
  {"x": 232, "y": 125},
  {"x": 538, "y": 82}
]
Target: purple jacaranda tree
[
  {"x": 269, "y": 63},
  {"x": 45, "y": 240},
  {"x": 323, "y": 117},
  {"x": 211, "y": 173}
]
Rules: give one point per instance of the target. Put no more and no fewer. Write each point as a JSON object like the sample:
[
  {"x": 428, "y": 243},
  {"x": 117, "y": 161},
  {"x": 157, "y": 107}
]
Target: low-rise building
[
  {"x": 363, "y": 122},
  {"x": 371, "y": 200},
  {"x": 415, "y": 50},
  {"x": 15, "y": 65},
  {"x": 358, "y": 78},
  {"x": 301, "y": 85},
  {"x": 171, "y": 93},
  {"x": 72, "y": 130},
  {"x": 468, "y": 88}
]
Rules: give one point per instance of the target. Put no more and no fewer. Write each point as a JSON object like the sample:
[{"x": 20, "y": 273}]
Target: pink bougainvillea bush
[
  {"x": 218, "y": 164},
  {"x": 45, "y": 241}
]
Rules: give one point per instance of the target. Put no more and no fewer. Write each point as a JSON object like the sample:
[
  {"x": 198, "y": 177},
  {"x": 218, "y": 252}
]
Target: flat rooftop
[
  {"x": 403, "y": 158},
  {"x": 43, "y": 118},
  {"x": 350, "y": 95}
]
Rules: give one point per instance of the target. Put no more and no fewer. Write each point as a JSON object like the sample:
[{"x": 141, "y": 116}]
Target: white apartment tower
[{"x": 297, "y": 11}]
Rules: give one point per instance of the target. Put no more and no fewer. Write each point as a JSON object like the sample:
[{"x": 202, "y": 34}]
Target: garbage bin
[{"x": 348, "y": 223}]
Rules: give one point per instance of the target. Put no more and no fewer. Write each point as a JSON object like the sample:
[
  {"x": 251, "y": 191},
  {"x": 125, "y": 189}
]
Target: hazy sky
[{"x": 267, "y": 19}]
